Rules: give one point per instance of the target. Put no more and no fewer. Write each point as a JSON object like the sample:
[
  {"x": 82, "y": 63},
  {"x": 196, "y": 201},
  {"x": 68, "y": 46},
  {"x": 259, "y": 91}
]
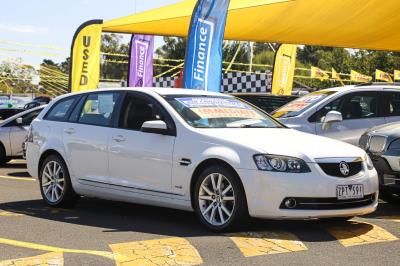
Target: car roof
[
  {"x": 150, "y": 90},
  {"x": 363, "y": 86}
]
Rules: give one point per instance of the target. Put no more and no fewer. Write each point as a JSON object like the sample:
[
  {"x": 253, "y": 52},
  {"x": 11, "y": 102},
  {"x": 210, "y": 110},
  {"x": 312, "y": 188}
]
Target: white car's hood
[{"x": 287, "y": 142}]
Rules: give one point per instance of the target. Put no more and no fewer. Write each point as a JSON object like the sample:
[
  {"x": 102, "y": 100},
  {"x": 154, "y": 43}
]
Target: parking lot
[{"x": 99, "y": 232}]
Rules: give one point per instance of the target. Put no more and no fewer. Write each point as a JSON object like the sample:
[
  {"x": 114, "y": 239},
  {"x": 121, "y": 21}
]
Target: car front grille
[
  {"x": 333, "y": 169},
  {"x": 377, "y": 144},
  {"x": 328, "y": 203}
]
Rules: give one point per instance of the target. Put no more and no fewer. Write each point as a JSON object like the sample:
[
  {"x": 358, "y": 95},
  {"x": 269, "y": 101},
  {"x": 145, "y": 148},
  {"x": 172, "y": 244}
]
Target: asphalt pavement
[{"x": 98, "y": 232}]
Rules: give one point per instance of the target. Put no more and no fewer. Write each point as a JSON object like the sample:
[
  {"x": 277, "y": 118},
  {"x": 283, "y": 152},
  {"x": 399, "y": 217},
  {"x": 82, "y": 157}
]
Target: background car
[
  {"x": 9, "y": 112},
  {"x": 265, "y": 101},
  {"x": 343, "y": 113},
  {"x": 13, "y": 132},
  {"x": 383, "y": 145}
]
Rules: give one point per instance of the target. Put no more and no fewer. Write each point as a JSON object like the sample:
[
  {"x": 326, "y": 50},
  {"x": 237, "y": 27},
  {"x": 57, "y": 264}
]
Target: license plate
[{"x": 345, "y": 192}]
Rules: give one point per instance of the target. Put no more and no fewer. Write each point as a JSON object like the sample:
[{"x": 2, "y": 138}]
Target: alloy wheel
[
  {"x": 216, "y": 199},
  {"x": 53, "y": 181}
]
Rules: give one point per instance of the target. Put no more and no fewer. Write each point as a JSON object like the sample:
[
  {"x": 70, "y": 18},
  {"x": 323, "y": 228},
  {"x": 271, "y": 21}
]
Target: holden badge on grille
[{"x": 344, "y": 168}]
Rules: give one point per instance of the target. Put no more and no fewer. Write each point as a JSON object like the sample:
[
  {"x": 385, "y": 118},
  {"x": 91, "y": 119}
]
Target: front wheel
[
  {"x": 220, "y": 201},
  {"x": 55, "y": 183}
]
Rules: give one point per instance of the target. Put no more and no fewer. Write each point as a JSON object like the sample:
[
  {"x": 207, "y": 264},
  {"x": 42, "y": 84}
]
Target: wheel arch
[
  {"x": 46, "y": 154},
  {"x": 207, "y": 163}
]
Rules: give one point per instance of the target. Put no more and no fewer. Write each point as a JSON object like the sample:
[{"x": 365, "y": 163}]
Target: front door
[
  {"x": 360, "y": 112},
  {"x": 18, "y": 132},
  {"x": 140, "y": 160}
]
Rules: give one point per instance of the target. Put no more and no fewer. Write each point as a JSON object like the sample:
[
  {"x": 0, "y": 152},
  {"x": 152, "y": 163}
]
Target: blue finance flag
[{"x": 203, "y": 61}]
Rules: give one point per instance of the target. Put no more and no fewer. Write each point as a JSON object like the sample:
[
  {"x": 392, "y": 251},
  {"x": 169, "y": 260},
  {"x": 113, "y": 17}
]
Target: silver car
[
  {"x": 343, "y": 113},
  {"x": 13, "y": 132}
]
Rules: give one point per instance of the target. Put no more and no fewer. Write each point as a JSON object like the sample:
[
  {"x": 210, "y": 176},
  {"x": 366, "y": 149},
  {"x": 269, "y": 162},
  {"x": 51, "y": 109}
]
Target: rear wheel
[
  {"x": 220, "y": 201},
  {"x": 55, "y": 183}
]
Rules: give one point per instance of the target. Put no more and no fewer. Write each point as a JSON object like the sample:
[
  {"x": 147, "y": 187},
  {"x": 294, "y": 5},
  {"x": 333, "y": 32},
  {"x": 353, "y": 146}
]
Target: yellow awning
[{"x": 369, "y": 24}]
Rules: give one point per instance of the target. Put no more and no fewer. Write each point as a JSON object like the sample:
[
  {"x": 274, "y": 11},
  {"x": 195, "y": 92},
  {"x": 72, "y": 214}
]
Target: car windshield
[
  {"x": 202, "y": 111},
  {"x": 300, "y": 105}
]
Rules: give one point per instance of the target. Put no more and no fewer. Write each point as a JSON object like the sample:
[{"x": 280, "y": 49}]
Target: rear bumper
[{"x": 266, "y": 192}]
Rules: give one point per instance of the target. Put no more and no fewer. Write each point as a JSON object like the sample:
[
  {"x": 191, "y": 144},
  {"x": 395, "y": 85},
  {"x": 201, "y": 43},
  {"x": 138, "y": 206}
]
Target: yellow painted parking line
[
  {"x": 22, "y": 244},
  {"x": 390, "y": 218},
  {"x": 9, "y": 214},
  {"x": 168, "y": 251},
  {"x": 360, "y": 233},
  {"x": 266, "y": 243},
  {"x": 53, "y": 259},
  {"x": 16, "y": 178}
]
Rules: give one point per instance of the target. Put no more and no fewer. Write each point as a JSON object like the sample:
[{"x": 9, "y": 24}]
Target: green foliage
[{"x": 112, "y": 43}]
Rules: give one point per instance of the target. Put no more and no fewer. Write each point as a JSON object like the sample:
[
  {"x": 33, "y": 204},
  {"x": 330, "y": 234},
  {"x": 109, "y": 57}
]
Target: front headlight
[
  {"x": 277, "y": 163},
  {"x": 370, "y": 164}
]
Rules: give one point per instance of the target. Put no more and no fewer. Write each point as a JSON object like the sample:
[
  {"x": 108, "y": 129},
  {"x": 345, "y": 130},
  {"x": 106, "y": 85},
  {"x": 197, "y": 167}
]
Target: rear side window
[
  {"x": 59, "y": 112},
  {"x": 98, "y": 109}
]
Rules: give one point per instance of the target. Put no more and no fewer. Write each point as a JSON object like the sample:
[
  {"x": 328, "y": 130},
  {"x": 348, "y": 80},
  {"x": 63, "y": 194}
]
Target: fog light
[{"x": 290, "y": 203}]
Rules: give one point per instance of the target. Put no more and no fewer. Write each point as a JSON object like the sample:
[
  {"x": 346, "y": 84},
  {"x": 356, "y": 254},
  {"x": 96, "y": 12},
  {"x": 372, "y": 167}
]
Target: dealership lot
[{"x": 100, "y": 232}]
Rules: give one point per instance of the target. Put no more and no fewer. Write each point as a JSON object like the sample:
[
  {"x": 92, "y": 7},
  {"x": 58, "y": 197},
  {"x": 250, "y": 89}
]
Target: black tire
[
  {"x": 3, "y": 157},
  {"x": 239, "y": 214},
  {"x": 338, "y": 219},
  {"x": 68, "y": 197}
]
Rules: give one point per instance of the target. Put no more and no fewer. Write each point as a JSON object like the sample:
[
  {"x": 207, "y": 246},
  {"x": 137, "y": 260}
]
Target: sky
[{"x": 54, "y": 22}]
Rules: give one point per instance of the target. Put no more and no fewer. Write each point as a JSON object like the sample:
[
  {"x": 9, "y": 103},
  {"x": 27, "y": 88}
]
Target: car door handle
[
  {"x": 69, "y": 131},
  {"x": 118, "y": 138}
]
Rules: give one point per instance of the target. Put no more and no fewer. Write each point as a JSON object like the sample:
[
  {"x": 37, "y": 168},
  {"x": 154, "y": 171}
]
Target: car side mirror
[
  {"x": 333, "y": 116},
  {"x": 19, "y": 121},
  {"x": 156, "y": 127}
]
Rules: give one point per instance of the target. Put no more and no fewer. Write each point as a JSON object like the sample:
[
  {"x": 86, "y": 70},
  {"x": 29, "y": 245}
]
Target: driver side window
[
  {"x": 136, "y": 110},
  {"x": 319, "y": 116}
]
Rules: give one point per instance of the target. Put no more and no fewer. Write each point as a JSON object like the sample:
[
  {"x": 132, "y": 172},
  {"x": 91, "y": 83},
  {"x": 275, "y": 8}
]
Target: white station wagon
[{"x": 197, "y": 151}]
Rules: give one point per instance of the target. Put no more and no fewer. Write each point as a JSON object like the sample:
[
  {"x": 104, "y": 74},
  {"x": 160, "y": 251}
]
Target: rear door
[
  {"x": 360, "y": 111},
  {"x": 86, "y": 135}
]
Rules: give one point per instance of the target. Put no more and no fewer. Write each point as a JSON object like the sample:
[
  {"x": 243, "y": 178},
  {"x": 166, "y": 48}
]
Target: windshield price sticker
[
  {"x": 206, "y": 113},
  {"x": 198, "y": 102},
  {"x": 301, "y": 103}
]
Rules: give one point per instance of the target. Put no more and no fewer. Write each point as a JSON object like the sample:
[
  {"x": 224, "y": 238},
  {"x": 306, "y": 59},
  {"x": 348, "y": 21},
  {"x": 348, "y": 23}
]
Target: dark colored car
[
  {"x": 9, "y": 112},
  {"x": 264, "y": 101},
  {"x": 31, "y": 105},
  {"x": 382, "y": 143}
]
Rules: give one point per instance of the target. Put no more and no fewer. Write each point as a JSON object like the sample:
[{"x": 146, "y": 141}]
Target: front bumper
[{"x": 265, "y": 192}]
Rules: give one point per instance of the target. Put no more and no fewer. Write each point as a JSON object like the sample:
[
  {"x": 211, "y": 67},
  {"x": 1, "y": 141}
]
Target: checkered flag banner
[{"x": 231, "y": 82}]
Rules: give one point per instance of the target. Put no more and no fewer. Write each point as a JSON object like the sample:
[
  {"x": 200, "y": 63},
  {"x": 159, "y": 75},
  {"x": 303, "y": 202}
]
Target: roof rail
[{"x": 378, "y": 83}]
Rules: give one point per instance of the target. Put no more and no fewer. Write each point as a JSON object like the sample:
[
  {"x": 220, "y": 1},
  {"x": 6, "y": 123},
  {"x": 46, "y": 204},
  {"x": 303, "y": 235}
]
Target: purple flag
[{"x": 141, "y": 61}]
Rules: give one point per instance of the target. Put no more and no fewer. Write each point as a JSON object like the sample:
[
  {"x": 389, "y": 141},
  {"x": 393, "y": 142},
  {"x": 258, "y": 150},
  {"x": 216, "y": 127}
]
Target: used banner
[
  {"x": 85, "y": 57},
  {"x": 141, "y": 61},
  {"x": 318, "y": 73},
  {"x": 380, "y": 75},
  {"x": 358, "y": 77},
  {"x": 203, "y": 61},
  {"x": 284, "y": 65},
  {"x": 397, "y": 75}
]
